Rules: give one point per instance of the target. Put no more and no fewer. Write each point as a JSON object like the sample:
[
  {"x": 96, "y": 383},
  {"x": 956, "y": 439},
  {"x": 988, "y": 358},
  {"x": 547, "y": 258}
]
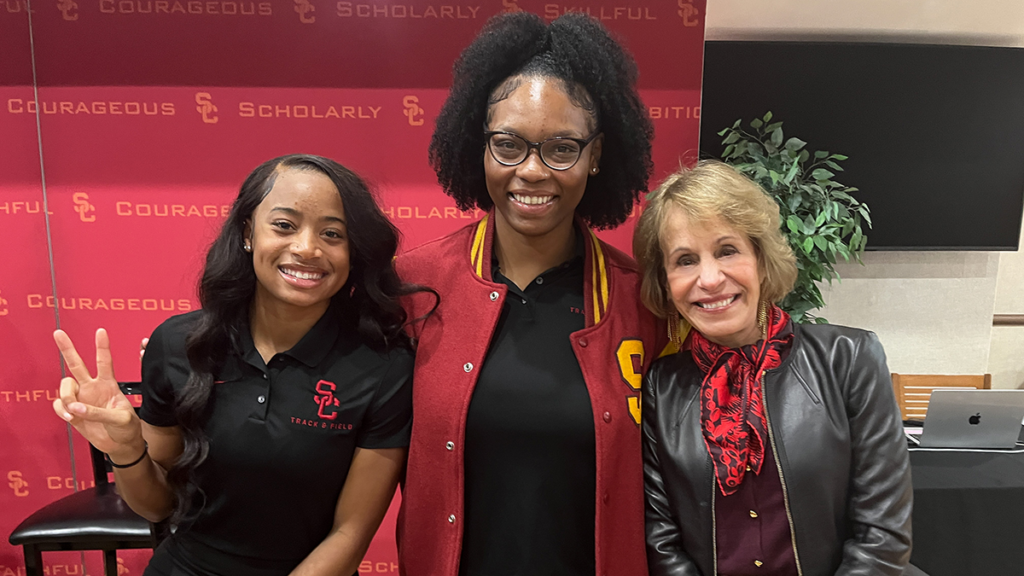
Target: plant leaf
[
  {"x": 777, "y": 137},
  {"x": 794, "y": 202},
  {"x": 795, "y": 144},
  {"x": 840, "y": 157},
  {"x": 768, "y": 116},
  {"x": 865, "y": 213},
  {"x": 808, "y": 244},
  {"x": 792, "y": 172},
  {"x": 731, "y": 138},
  {"x": 809, "y": 227},
  {"x": 756, "y": 123},
  {"x": 820, "y": 174},
  {"x": 817, "y": 155},
  {"x": 793, "y": 223}
]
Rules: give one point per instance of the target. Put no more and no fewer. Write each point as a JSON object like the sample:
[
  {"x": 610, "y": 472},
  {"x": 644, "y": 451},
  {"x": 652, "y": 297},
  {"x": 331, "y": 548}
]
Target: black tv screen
[{"x": 934, "y": 134}]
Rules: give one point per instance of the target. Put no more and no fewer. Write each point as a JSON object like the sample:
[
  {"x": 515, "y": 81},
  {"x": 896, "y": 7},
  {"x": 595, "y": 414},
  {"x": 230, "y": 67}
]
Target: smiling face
[
  {"x": 713, "y": 277},
  {"x": 299, "y": 241},
  {"x": 531, "y": 198}
]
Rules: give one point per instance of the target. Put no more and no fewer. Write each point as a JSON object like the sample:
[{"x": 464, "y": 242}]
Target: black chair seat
[{"x": 94, "y": 514}]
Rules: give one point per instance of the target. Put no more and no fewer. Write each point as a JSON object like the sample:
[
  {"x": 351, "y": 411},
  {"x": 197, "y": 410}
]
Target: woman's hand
[{"x": 95, "y": 406}]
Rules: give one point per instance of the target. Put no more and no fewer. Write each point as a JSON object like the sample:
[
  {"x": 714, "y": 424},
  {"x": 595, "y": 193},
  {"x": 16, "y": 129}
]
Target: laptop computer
[{"x": 959, "y": 418}]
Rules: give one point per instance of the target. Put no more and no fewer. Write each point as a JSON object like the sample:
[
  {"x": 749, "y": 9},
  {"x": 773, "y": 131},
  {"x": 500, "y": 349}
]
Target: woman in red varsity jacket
[{"x": 525, "y": 453}]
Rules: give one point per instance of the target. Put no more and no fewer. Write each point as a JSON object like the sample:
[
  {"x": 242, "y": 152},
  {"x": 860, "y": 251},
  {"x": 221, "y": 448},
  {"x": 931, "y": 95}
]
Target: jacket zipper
[
  {"x": 714, "y": 522},
  {"x": 782, "y": 478}
]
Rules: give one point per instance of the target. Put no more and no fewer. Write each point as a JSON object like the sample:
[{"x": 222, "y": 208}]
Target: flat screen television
[{"x": 934, "y": 134}]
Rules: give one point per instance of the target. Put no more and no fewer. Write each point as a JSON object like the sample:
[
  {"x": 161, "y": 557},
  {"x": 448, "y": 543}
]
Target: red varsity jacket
[{"x": 620, "y": 340}]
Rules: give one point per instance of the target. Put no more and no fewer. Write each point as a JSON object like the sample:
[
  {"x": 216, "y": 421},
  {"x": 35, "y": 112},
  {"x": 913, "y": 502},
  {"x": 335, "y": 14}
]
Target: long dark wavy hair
[
  {"x": 368, "y": 302},
  {"x": 596, "y": 73}
]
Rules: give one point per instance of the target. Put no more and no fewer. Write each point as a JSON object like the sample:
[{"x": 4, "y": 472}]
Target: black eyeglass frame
[{"x": 530, "y": 146}]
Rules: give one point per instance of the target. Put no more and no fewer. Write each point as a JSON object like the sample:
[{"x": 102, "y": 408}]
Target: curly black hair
[{"x": 598, "y": 75}]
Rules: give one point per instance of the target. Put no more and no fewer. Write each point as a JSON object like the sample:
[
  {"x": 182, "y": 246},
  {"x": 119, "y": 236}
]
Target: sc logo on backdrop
[
  {"x": 17, "y": 484},
  {"x": 688, "y": 12},
  {"x": 68, "y": 9},
  {"x": 304, "y": 7},
  {"x": 83, "y": 207},
  {"x": 412, "y": 110},
  {"x": 206, "y": 107}
]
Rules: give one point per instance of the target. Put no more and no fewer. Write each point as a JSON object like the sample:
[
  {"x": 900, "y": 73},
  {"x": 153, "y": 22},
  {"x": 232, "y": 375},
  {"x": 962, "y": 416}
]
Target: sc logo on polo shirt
[
  {"x": 325, "y": 399},
  {"x": 326, "y": 403}
]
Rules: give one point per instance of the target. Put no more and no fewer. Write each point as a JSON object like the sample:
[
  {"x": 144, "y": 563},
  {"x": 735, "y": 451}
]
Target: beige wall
[
  {"x": 1006, "y": 358},
  {"x": 974, "y": 22},
  {"x": 932, "y": 310}
]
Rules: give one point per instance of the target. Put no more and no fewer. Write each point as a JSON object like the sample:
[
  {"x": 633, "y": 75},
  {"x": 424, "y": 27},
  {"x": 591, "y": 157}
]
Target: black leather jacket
[{"x": 838, "y": 442}]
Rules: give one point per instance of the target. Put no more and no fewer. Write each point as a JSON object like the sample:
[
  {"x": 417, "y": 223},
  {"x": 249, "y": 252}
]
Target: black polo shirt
[
  {"x": 282, "y": 435},
  {"x": 530, "y": 461}
]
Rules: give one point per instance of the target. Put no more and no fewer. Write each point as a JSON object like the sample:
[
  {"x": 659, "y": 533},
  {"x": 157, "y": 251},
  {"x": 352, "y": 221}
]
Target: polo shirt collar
[
  {"x": 311, "y": 349},
  {"x": 596, "y": 284}
]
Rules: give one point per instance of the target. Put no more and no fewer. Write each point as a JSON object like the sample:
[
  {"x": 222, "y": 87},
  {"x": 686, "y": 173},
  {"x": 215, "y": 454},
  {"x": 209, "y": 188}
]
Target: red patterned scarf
[{"x": 731, "y": 408}]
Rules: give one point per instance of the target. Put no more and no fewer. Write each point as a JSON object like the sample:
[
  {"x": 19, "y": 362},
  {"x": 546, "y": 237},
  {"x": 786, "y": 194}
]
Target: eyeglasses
[{"x": 559, "y": 153}]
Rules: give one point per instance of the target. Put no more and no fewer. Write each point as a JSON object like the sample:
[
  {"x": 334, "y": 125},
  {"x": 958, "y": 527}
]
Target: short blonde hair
[{"x": 713, "y": 189}]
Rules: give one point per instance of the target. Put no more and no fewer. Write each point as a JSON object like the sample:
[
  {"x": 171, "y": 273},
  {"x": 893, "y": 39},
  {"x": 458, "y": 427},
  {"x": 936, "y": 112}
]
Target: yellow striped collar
[{"x": 597, "y": 263}]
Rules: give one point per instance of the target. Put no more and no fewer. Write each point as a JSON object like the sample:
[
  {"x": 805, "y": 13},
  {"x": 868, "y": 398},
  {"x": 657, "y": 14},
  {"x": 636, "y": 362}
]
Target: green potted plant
[{"x": 821, "y": 219}]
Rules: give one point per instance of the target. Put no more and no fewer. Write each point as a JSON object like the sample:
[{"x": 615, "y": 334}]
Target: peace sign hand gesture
[{"x": 95, "y": 406}]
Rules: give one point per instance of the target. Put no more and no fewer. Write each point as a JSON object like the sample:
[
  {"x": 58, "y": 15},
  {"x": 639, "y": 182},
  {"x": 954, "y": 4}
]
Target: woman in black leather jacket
[{"x": 769, "y": 447}]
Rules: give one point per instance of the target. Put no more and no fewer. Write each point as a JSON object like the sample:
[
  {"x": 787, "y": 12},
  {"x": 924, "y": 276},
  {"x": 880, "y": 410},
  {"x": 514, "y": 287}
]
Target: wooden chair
[{"x": 913, "y": 391}]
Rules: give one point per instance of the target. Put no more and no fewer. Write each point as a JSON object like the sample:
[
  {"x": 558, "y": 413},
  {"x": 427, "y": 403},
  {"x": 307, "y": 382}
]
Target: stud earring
[
  {"x": 593, "y": 170},
  {"x": 247, "y": 247}
]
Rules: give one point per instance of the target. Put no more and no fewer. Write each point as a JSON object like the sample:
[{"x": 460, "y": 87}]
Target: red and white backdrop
[{"x": 127, "y": 127}]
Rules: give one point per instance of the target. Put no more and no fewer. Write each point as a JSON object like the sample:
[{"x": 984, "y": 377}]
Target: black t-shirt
[
  {"x": 281, "y": 436},
  {"x": 530, "y": 461}
]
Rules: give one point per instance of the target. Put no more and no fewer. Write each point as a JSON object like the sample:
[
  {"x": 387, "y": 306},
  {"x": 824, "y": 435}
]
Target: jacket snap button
[
  {"x": 468, "y": 366},
  {"x": 451, "y": 519},
  {"x": 450, "y": 445},
  {"x": 261, "y": 399},
  {"x": 494, "y": 296},
  {"x": 583, "y": 342},
  {"x": 607, "y": 416}
]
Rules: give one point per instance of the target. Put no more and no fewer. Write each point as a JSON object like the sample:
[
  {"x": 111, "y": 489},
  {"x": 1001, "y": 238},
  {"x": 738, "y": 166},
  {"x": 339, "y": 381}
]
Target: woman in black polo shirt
[{"x": 275, "y": 420}]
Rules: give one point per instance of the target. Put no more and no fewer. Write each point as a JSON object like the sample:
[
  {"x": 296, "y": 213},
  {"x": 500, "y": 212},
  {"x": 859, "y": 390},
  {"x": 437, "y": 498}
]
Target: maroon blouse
[{"x": 751, "y": 526}]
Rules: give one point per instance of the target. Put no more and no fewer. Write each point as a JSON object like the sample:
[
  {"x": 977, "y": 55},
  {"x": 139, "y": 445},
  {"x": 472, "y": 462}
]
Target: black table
[{"x": 968, "y": 513}]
